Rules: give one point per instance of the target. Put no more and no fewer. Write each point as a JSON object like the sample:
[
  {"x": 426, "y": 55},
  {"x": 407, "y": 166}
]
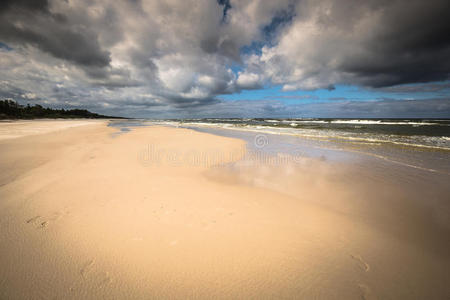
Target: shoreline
[
  {"x": 86, "y": 214},
  {"x": 431, "y": 159}
]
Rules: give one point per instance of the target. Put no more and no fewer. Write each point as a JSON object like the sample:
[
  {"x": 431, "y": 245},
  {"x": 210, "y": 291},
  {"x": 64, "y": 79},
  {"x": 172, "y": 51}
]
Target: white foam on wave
[
  {"x": 437, "y": 143},
  {"x": 363, "y": 122}
]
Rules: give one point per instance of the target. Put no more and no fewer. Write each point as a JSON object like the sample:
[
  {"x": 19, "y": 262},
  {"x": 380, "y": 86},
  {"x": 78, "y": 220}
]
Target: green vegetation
[{"x": 10, "y": 109}]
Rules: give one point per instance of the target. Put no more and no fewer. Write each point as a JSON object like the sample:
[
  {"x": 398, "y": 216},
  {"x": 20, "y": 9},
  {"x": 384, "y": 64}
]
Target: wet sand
[{"x": 163, "y": 212}]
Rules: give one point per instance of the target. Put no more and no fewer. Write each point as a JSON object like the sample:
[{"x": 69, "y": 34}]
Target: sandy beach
[{"x": 88, "y": 212}]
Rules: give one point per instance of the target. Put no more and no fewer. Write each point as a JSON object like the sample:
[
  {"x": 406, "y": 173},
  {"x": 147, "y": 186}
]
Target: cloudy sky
[{"x": 225, "y": 58}]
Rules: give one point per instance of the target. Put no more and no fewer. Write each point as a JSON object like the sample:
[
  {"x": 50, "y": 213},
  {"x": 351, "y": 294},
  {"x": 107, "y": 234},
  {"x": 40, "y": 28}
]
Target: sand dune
[{"x": 173, "y": 213}]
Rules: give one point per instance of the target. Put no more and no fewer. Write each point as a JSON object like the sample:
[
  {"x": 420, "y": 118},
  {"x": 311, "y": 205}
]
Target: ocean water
[
  {"x": 422, "y": 144},
  {"x": 434, "y": 134}
]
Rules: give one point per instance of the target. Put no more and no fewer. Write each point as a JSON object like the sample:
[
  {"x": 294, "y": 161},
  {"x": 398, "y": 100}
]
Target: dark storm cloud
[
  {"x": 411, "y": 44},
  {"x": 8, "y": 91},
  {"x": 225, "y": 47},
  {"x": 226, "y": 6},
  {"x": 418, "y": 88},
  {"x": 370, "y": 43},
  {"x": 32, "y": 23},
  {"x": 37, "y": 5}
]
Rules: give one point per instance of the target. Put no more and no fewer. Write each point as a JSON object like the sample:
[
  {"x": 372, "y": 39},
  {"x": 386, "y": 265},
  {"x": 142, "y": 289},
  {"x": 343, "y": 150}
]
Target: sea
[{"x": 422, "y": 144}]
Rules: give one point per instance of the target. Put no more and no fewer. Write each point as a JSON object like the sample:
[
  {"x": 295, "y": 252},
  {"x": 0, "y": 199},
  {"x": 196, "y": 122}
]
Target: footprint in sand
[
  {"x": 38, "y": 222},
  {"x": 100, "y": 277},
  {"x": 87, "y": 267},
  {"x": 366, "y": 292},
  {"x": 42, "y": 222},
  {"x": 33, "y": 219},
  {"x": 361, "y": 263}
]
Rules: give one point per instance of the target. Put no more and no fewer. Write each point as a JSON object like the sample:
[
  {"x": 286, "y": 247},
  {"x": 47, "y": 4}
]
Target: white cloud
[
  {"x": 249, "y": 80},
  {"x": 180, "y": 53},
  {"x": 29, "y": 96}
]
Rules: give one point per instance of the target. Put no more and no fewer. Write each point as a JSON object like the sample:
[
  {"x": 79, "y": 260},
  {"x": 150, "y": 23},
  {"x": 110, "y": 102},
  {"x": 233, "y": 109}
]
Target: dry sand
[
  {"x": 165, "y": 213},
  {"x": 16, "y": 129}
]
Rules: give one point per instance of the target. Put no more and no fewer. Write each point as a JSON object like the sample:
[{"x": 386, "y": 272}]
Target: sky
[{"x": 224, "y": 58}]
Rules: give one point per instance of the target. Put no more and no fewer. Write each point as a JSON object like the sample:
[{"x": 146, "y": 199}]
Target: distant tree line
[{"x": 10, "y": 109}]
